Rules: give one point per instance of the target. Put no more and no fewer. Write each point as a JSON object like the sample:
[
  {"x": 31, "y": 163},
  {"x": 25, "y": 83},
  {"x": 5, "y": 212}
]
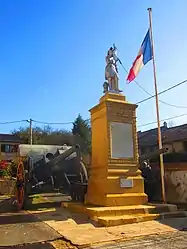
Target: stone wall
[{"x": 175, "y": 181}]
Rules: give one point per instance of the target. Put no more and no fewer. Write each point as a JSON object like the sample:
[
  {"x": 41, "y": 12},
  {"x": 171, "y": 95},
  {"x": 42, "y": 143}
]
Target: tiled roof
[
  {"x": 10, "y": 138},
  {"x": 169, "y": 135}
]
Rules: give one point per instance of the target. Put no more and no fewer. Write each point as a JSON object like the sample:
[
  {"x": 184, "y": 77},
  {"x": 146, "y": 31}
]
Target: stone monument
[
  {"x": 115, "y": 179},
  {"x": 115, "y": 193}
]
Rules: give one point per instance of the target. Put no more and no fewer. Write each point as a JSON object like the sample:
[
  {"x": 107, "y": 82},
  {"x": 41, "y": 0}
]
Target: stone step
[
  {"x": 122, "y": 210},
  {"x": 134, "y": 209},
  {"x": 119, "y": 215},
  {"x": 92, "y": 211},
  {"x": 129, "y": 219},
  {"x": 109, "y": 221}
]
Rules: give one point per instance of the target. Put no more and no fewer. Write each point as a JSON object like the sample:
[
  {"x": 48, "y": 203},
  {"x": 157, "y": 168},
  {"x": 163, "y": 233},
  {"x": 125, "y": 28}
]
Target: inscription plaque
[
  {"x": 126, "y": 183},
  {"x": 121, "y": 140}
]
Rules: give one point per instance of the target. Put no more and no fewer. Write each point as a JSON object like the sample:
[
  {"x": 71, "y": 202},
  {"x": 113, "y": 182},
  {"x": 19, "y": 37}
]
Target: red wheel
[{"x": 20, "y": 184}]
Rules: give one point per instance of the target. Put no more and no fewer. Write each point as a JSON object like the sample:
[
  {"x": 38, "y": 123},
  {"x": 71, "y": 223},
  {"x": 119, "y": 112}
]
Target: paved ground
[
  {"x": 167, "y": 241},
  {"x": 19, "y": 228},
  {"x": 42, "y": 222},
  {"x": 22, "y": 227},
  {"x": 81, "y": 231}
]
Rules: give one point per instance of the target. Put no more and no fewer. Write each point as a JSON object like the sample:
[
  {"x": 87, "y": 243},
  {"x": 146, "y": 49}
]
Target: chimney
[{"x": 165, "y": 125}]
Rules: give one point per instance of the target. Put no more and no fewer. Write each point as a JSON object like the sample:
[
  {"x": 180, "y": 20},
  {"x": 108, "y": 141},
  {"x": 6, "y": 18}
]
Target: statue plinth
[{"x": 115, "y": 179}]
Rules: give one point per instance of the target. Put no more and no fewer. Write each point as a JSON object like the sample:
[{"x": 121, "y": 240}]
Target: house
[
  {"x": 173, "y": 138},
  {"x": 175, "y": 165},
  {"x": 9, "y": 146}
]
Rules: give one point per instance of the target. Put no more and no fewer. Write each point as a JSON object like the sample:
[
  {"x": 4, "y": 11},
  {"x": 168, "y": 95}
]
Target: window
[
  {"x": 9, "y": 148},
  {"x": 5, "y": 148}
]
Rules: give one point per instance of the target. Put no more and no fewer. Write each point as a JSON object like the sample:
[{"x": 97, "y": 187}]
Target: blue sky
[{"x": 52, "y": 57}]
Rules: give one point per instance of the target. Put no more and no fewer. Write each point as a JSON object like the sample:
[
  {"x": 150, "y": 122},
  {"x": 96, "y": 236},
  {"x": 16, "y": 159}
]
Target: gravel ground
[{"x": 176, "y": 240}]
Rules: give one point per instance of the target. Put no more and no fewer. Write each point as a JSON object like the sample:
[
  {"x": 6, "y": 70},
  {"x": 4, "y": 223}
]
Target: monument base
[
  {"x": 122, "y": 215},
  {"x": 109, "y": 191},
  {"x": 115, "y": 193}
]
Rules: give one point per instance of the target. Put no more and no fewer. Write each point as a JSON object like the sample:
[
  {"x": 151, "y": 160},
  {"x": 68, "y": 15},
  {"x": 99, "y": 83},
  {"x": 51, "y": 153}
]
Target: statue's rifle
[
  {"x": 119, "y": 59},
  {"x": 115, "y": 48}
]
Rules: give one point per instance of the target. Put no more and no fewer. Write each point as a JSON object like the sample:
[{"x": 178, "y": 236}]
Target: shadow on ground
[
  {"x": 46, "y": 206},
  {"x": 60, "y": 214},
  {"x": 45, "y": 245},
  {"x": 176, "y": 223},
  {"x": 57, "y": 244},
  {"x": 58, "y": 223},
  {"x": 56, "y": 214}
]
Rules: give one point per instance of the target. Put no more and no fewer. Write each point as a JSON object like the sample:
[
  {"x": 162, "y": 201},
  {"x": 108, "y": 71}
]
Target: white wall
[{"x": 176, "y": 186}]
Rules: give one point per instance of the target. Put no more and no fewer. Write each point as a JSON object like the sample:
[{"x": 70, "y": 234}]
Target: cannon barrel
[
  {"x": 62, "y": 156},
  {"x": 153, "y": 154}
]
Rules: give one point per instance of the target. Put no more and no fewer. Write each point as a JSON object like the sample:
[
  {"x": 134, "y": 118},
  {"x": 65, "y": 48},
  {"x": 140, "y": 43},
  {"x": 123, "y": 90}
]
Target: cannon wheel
[
  {"x": 83, "y": 172},
  {"x": 78, "y": 189},
  {"x": 20, "y": 185}
]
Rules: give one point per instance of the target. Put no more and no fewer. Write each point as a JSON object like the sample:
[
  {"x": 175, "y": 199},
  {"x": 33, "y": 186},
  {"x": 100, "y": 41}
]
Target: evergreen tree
[{"x": 82, "y": 134}]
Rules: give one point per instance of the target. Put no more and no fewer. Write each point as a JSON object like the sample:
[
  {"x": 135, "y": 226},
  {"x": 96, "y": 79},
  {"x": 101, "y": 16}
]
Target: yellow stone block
[{"x": 109, "y": 169}]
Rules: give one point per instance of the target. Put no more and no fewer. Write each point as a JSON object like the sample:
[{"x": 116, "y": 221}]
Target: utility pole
[{"x": 30, "y": 130}]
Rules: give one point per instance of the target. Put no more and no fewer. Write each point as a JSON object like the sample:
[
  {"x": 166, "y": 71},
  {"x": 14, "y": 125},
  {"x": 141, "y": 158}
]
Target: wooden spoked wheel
[{"x": 20, "y": 185}]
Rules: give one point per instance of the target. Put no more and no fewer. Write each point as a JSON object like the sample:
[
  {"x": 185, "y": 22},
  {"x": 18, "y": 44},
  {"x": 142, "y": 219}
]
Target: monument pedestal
[
  {"x": 115, "y": 179},
  {"x": 115, "y": 194}
]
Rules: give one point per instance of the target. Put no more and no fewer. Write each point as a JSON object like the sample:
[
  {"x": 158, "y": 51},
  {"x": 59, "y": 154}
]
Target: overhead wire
[
  {"x": 141, "y": 101},
  {"x": 52, "y": 123},
  {"x": 154, "y": 122},
  {"x": 152, "y": 96},
  {"x": 13, "y": 122},
  {"x": 166, "y": 90},
  {"x": 146, "y": 99},
  {"x": 150, "y": 123},
  {"x": 64, "y": 123}
]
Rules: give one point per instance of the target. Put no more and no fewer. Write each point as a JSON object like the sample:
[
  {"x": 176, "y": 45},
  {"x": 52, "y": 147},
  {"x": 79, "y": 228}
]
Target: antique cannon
[
  {"x": 38, "y": 165},
  {"x": 64, "y": 167}
]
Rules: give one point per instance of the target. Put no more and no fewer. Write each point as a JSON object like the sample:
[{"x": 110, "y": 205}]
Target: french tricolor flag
[{"x": 145, "y": 54}]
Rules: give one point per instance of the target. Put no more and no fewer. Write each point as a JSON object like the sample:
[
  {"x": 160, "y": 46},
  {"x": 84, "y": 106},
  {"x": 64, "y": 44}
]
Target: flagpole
[{"x": 157, "y": 109}]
